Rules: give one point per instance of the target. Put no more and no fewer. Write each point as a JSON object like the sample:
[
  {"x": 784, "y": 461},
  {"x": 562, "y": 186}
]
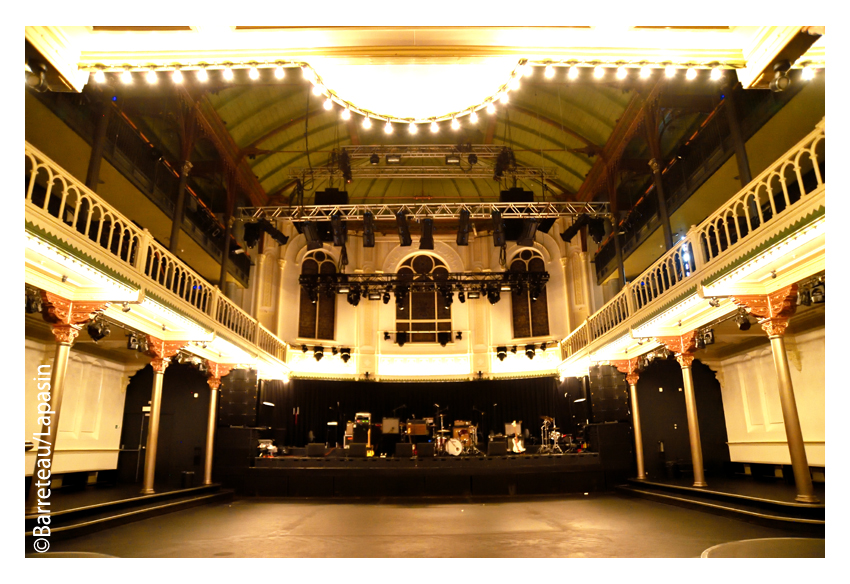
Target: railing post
[
  {"x": 630, "y": 302},
  {"x": 695, "y": 246},
  {"x": 256, "y": 332},
  {"x": 142, "y": 251},
  {"x": 213, "y": 304}
]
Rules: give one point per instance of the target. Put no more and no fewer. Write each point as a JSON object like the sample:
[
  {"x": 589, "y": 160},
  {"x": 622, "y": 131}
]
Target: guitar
[{"x": 516, "y": 440}]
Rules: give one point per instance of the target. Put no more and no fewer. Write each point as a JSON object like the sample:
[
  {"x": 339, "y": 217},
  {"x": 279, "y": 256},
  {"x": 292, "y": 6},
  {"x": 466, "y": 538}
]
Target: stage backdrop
[{"x": 319, "y": 402}]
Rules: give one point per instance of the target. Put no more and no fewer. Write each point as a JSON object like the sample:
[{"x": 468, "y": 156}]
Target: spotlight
[
  {"x": 143, "y": 344},
  {"x": 670, "y": 71},
  {"x": 462, "y": 297},
  {"x": 573, "y": 229},
  {"x": 33, "y": 302},
  {"x": 339, "y": 229},
  {"x": 345, "y": 355},
  {"x": 426, "y": 239},
  {"x": 374, "y": 160},
  {"x": 596, "y": 228},
  {"x": 513, "y": 349},
  {"x": 202, "y": 367},
  {"x": 401, "y": 338},
  {"x": 808, "y": 73},
  {"x": 329, "y": 104},
  {"x": 403, "y": 231},
  {"x": 448, "y": 298},
  {"x": 780, "y": 77},
  {"x": 804, "y": 298},
  {"x": 374, "y": 294},
  {"x": 504, "y": 98},
  {"x": 368, "y": 229},
  {"x": 125, "y": 307},
  {"x": 354, "y": 297},
  {"x": 334, "y": 350},
  {"x": 318, "y": 352},
  {"x": 708, "y": 336},
  {"x": 650, "y": 357},
  {"x": 473, "y": 294},
  {"x": 699, "y": 342},
  {"x": 513, "y": 85},
  {"x": 386, "y": 336},
  {"x": 529, "y": 351},
  {"x": 472, "y": 158},
  {"x": 501, "y": 353},
  {"x": 459, "y": 336},
  {"x": 393, "y": 159},
  {"x": 303, "y": 348},
  {"x": 493, "y": 294},
  {"x": 529, "y": 230},
  {"x": 99, "y": 76},
  {"x": 127, "y": 77},
  {"x": 818, "y": 294},
  {"x": 444, "y": 337},
  {"x": 463, "y": 227},
  {"x": 388, "y": 128},
  {"x": 742, "y": 320},
  {"x": 542, "y": 347},
  {"x": 498, "y": 229},
  {"x": 455, "y": 124},
  {"x": 452, "y": 159},
  {"x": 621, "y": 72},
  {"x": 714, "y": 302},
  {"x": 98, "y": 329},
  {"x": 132, "y": 342},
  {"x": 386, "y": 298},
  {"x": 318, "y": 89},
  {"x": 645, "y": 72}
]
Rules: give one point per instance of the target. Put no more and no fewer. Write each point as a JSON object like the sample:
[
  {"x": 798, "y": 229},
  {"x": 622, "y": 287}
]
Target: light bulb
[
  {"x": 151, "y": 77},
  {"x": 528, "y": 70},
  {"x": 434, "y": 127},
  {"x": 367, "y": 123},
  {"x": 202, "y": 74},
  {"x": 549, "y": 72},
  {"x": 455, "y": 124},
  {"x": 126, "y": 76},
  {"x": 253, "y": 73},
  {"x": 691, "y": 74},
  {"x": 670, "y": 71},
  {"x": 317, "y": 89},
  {"x": 279, "y": 73},
  {"x": 177, "y": 76},
  {"x": 99, "y": 76},
  {"x": 598, "y": 71},
  {"x": 346, "y": 114},
  {"x": 308, "y": 73},
  {"x": 228, "y": 73},
  {"x": 473, "y": 118},
  {"x": 621, "y": 72},
  {"x": 412, "y": 128},
  {"x": 573, "y": 73},
  {"x": 513, "y": 84},
  {"x": 328, "y": 104},
  {"x": 388, "y": 128},
  {"x": 491, "y": 109},
  {"x": 645, "y": 72},
  {"x": 504, "y": 97},
  {"x": 716, "y": 73},
  {"x": 808, "y": 72}
]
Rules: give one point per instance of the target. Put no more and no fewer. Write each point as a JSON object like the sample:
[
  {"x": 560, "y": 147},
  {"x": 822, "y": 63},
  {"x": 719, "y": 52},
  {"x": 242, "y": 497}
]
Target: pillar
[
  {"x": 773, "y": 311},
  {"x": 215, "y": 372},
  {"x": 630, "y": 368},
  {"x": 177, "y": 219},
  {"x": 96, "y": 156},
  {"x": 683, "y": 346},
  {"x": 67, "y": 318},
  {"x": 655, "y": 163},
  {"x": 161, "y": 351},
  {"x": 730, "y": 101},
  {"x": 615, "y": 225}
]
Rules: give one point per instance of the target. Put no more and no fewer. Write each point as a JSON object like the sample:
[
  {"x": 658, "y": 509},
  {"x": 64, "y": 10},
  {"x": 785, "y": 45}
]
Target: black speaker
[
  {"x": 514, "y": 227},
  {"x": 238, "y": 403},
  {"x": 315, "y": 450},
  {"x": 331, "y": 196},
  {"x": 497, "y": 448},
  {"x": 404, "y": 450},
  {"x": 609, "y": 395},
  {"x": 357, "y": 450},
  {"x": 425, "y": 449}
]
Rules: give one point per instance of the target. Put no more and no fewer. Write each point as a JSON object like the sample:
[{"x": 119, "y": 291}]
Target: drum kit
[
  {"x": 549, "y": 433},
  {"x": 461, "y": 439}
]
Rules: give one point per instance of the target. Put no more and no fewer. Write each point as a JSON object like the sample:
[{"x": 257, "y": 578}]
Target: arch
[{"x": 441, "y": 250}]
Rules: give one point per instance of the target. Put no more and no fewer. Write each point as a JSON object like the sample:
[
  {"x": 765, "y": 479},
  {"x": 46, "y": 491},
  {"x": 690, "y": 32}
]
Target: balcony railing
[
  {"x": 777, "y": 191},
  {"x": 55, "y": 192}
]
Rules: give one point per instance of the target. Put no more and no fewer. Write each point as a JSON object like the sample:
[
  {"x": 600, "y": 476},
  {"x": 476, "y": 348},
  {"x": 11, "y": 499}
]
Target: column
[
  {"x": 730, "y": 101},
  {"x": 683, "y": 346},
  {"x": 67, "y": 318},
  {"x": 281, "y": 264},
  {"x": 630, "y": 368},
  {"x": 215, "y": 372},
  {"x": 93, "y": 172},
  {"x": 773, "y": 311},
  {"x": 655, "y": 164},
  {"x": 177, "y": 218},
  {"x": 161, "y": 351},
  {"x": 615, "y": 224}
]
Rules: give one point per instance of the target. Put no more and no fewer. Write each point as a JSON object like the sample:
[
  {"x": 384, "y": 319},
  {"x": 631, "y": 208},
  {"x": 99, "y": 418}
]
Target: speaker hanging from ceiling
[
  {"x": 463, "y": 228},
  {"x": 368, "y": 229},
  {"x": 498, "y": 229},
  {"x": 403, "y": 231},
  {"x": 529, "y": 230},
  {"x": 426, "y": 241}
]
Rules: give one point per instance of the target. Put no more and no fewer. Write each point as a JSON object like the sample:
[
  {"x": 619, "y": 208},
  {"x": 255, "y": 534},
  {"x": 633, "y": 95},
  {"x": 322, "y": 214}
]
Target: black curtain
[{"x": 319, "y": 402}]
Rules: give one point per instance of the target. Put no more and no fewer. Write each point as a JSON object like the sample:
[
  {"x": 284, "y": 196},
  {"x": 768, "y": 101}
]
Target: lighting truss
[
  {"x": 456, "y": 281},
  {"x": 423, "y": 172},
  {"x": 427, "y": 151},
  {"x": 541, "y": 210}
]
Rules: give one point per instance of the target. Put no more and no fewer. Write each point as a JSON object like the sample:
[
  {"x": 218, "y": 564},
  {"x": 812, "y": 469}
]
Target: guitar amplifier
[
  {"x": 425, "y": 449},
  {"x": 497, "y": 448}
]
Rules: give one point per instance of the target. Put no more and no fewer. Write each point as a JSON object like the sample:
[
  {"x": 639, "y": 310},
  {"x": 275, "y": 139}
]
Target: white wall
[
  {"x": 754, "y": 423},
  {"x": 92, "y": 409}
]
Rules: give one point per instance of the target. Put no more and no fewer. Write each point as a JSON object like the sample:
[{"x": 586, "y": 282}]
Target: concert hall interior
[{"x": 577, "y": 270}]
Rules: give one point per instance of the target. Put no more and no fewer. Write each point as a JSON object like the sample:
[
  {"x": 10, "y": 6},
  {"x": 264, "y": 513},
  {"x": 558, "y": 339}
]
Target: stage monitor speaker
[
  {"x": 425, "y": 449},
  {"x": 497, "y": 448},
  {"x": 315, "y": 450},
  {"x": 357, "y": 450},
  {"x": 404, "y": 450}
]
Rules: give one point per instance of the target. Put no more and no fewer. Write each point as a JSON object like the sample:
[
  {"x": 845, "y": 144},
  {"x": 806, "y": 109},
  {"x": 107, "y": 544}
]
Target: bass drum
[{"x": 454, "y": 447}]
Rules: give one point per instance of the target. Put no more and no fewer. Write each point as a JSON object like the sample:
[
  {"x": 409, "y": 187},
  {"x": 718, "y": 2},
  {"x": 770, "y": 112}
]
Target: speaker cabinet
[
  {"x": 238, "y": 403},
  {"x": 404, "y": 450},
  {"x": 609, "y": 395},
  {"x": 315, "y": 450},
  {"x": 357, "y": 450},
  {"x": 497, "y": 448},
  {"x": 425, "y": 449}
]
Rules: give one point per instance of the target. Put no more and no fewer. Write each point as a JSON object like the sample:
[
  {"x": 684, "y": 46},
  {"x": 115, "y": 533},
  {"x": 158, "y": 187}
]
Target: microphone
[{"x": 436, "y": 405}]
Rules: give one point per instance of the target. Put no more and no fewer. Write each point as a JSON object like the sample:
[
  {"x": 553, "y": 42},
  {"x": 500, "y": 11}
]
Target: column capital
[
  {"x": 626, "y": 365},
  {"x": 67, "y": 316},
  {"x": 162, "y": 351},
  {"x": 680, "y": 344},
  {"x": 772, "y": 310},
  {"x": 215, "y": 371},
  {"x": 685, "y": 359}
]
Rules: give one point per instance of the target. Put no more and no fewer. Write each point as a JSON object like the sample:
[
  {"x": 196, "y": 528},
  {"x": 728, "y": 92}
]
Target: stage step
[
  {"x": 83, "y": 520},
  {"x": 800, "y": 517}
]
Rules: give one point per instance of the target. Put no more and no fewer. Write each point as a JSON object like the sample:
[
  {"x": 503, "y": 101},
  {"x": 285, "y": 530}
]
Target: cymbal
[
  {"x": 547, "y": 418},
  {"x": 444, "y": 431}
]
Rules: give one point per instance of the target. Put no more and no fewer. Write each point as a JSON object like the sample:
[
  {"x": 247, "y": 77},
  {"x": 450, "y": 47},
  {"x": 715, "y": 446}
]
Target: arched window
[
  {"x": 424, "y": 311},
  {"x": 530, "y": 317},
  {"x": 317, "y": 307}
]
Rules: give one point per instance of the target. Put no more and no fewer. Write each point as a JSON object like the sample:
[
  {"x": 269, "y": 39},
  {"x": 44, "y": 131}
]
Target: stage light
[
  {"x": 99, "y": 76},
  {"x": 227, "y": 73},
  {"x": 329, "y": 104},
  {"x": 132, "y": 342},
  {"x": 473, "y": 118},
  {"x": 386, "y": 296},
  {"x": 386, "y": 336},
  {"x": 819, "y": 294},
  {"x": 472, "y": 158},
  {"x": 781, "y": 81},
  {"x": 177, "y": 76},
  {"x": 334, "y": 350},
  {"x": 346, "y": 114},
  {"x": 498, "y": 229},
  {"x": 368, "y": 229},
  {"x": 549, "y": 72},
  {"x": 529, "y": 230},
  {"x": 202, "y": 75},
  {"x": 318, "y": 89},
  {"x": 279, "y": 72},
  {"x": 426, "y": 237},
  {"x": 401, "y": 292},
  {"x": 253, "y": 73},
  {"x": 491, "y": 109},
  {"x": 691, "y": 74},
  {"x": 127, "y": 77},
  {"x": 374, "y": 160},
  {"x": 33, "y": 301},
  {"x": 459, "y": 336},
  {"x": 412, "y": 128},
  {"x": 513, "y": 349},
  {"x": 573, "y": 72},
  {"x": 493, "y": 294},
  {"x": 599, "y": 72},
  {"x": 393, "y": 159},
  {"x": 570, "y": 232},
  {"x": 151, "y": 77},
  {"x": 434, "y": 127},
  {"x": 699, "y": 342},
  {"x": 452, "y": 159},
  {"x": 463, "y": 228},
  {"x": 318, "y": 352},
  {"x": 388, "y": 128},
  {"x": 808, "y": 73},
  {"x": 596, "y": 228},
  {"x": 401, "y": 338},
  {"x": 367, "y": 123},
  {"x": 645, "y": 71},
  {"x": 303, "y": 348},
  {"x": 804, "y": 298},
  {"x": 345, "y": 354},
  {"x": 621, "y": 72},
  {"x": 444, "y": 338},
  {"x": 455, "y": 124},
  {"x": 542, "y": 347},
  {"x": 461, "y": 296},
  {"x": 501, "y": 353},
  {"x": 504, "y": 98},
  {"x": 742, "y": 320},
  {"x": 374, "y": 294},
  {"x": 448, "y": 297},
  {"x": 98, "y": 329},
  {"x": 403, "y": 231},
  {"x": 529, "y": 351},
  {"x": 708, "y": 336},
  {"x": 473, "y": 294},
  {"x": 339, "y": 229},
  {"x": 513, "y": 84},
  {"x": 354, "y": 297},
  {"x": 716, "y": 74},
  {"x": 670, "y": 71},
  {"x": 311, "y": 234},
  {"x": 251, "y": 234}
]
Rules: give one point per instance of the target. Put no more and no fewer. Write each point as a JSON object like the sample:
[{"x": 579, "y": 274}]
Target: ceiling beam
[{"x": 589, "y": 146}]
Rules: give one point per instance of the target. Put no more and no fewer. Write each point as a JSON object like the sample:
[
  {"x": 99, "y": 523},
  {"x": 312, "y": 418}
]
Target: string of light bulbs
[{"x": 525, "y": 68}]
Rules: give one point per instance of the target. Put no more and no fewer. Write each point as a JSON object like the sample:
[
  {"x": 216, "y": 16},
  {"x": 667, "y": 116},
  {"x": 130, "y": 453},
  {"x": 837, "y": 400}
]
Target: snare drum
[
  {"x": 454, "y": 447},
  {"x": 440, "y": 444}
]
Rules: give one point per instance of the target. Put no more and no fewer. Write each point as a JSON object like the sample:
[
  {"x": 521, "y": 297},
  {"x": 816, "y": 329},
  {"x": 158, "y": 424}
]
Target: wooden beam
[{"x": 589, "y": 146}]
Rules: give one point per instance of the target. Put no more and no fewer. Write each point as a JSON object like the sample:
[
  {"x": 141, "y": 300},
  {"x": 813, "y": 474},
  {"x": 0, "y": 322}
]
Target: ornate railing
[
  {"x": 788, "y": 181},
  {"x": 58, "y": 194}
]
